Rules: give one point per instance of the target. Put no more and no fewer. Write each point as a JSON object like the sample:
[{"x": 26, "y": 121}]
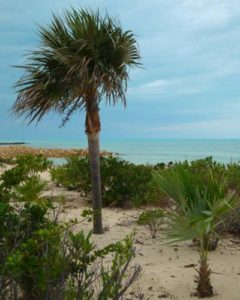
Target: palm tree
[
  {"x": 200, "y": 211},
  {"x": 82, "y": 58}
]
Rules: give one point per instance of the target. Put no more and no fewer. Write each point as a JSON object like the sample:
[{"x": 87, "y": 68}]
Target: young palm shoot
[{"x": 200, "y": 211}]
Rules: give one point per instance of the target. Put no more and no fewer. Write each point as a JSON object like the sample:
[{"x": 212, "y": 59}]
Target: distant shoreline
[
  {"x": 12, "y": 143},
  {"x": 149, "y": 151},
  {"x": 13, "y": 150}
]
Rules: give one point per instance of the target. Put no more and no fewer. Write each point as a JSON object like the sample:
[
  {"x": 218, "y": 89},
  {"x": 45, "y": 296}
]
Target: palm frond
[
  {"x": 80, "y": 54},
  {"x": 201, "y": 207}
]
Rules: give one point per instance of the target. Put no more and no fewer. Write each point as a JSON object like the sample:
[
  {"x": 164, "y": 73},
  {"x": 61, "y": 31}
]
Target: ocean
[{"x": 160, "y": 150}]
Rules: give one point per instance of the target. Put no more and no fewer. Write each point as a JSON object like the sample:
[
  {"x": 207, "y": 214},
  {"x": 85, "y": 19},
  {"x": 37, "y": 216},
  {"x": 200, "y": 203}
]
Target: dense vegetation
[
  {"x": 203, "y": 197},
  {"x": 125, "y": 184},
  {"x": 42, "y": 258}
]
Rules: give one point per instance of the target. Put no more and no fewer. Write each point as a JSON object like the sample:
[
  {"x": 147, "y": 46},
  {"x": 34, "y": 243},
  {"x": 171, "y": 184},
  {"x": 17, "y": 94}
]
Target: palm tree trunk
[
  {"x": 204, "y": 287},
  {"x": 93, "y": 131},
  {"x": 94, "y": 158}
]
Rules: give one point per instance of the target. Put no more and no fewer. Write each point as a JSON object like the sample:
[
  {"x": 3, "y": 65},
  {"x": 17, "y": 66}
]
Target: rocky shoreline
[
  {"x": 12, "y": 143},
  {"x": 13, "y": 151}
]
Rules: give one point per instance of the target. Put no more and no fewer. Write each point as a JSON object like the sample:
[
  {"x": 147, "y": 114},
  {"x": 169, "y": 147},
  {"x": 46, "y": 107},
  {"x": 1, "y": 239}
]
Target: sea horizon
[{"x": 155, "y": 150}]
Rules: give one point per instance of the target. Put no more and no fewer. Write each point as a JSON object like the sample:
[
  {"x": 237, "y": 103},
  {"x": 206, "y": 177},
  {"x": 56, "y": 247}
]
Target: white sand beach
[{"x": 167, "y": 270}]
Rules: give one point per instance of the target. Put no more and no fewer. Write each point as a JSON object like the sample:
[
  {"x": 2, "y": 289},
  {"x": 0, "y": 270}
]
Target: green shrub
[
  {"x": 233, "y": 177},
  {"x": 207, "y": 200},
  {"x": 126, "y": 184},
  {"x": 5, "y": 194},
  {"x": 17, "y": 225},
  {"x": 41, "y": 258},
  {"x": 152, "y": 219},
  {"x": 200, "y": 210},
  {"x": 37, "y": 263},
  {"x": 6, "y": 161},
  {"x": 58, "y": 264},
  {"x": 30, "y": 189},
  {"x": 123, "y": 183},
  {"x": 231, "y": 223},
  {"x": 113, "y": 280},
  {"x": 201, "y": 169},
  {"x": 25, "y": 166},
  {"x": 74, "y": 175},
  {"x": 32, "y": 164},
  {"x": 13, "y": 177}
]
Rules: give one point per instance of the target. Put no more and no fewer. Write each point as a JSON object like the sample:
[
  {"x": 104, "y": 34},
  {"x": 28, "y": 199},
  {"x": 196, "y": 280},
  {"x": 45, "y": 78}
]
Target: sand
[{"x": 167, "y": 270}]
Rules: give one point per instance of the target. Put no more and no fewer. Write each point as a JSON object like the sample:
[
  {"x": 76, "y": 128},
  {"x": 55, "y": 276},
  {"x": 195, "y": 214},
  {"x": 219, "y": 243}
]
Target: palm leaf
[
  {"x": 80, "y": 54},
  {"x": 201, "y": 207}
]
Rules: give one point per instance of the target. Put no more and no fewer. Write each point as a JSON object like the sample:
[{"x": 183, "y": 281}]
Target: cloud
[
  {"x": 166, "y": 87},
  {"x": 190, "y": 54},
  {"x": 209, "y": 128},
  {"x": 157, "y": 86},
  {"x": 206, "y": 13}
]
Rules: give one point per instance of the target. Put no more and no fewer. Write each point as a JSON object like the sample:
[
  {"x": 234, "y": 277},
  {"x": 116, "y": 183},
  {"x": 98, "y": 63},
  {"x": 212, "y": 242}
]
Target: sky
[{"x": 189, "y": 86}]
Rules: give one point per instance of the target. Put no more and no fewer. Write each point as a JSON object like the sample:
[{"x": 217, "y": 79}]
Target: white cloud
[
  {"x": 208, "y": 14},
  {"x": 166, "y": 87},
  {"x": 159, "y": 84},
  {"x": 217, "y": 127}
]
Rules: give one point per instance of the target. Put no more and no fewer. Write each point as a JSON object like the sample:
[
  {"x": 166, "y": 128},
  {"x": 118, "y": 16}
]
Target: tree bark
[
  {"x": 204, "y": 287},
  {"x": 94, "y": 158},
  {"x": 93, "y": 131}
]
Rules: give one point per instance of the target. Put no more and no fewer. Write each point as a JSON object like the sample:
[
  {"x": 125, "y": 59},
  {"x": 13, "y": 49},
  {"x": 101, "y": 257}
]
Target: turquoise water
[{"x": 160, "y": 150}]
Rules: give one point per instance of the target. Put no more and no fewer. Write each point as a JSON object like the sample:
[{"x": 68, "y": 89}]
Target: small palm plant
[
  {"x": 82, "y": 59},
  {"x": 199, "y": 212}
]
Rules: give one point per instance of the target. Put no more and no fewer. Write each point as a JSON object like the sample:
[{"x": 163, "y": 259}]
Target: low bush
[
  {"x": 201, "y": 172},
  {"x": 126, "y": 184},
  {"x": 32, "y": 164},
  {"x": 201, "y": 209},
  {"x": 233, "y": 176},
  {"x": 58, "y": 264},
  {"x": 152, "y": 219},
  {"x": 201, "y": 169},
  {"x": 24, "y": 167},
  {"x": 231, "y": 223},
  {"x": 6, "y": 161},
  {"x": 49, "y": 261},
  {"x": 22, "y": 182},
  {"x": 74, "y": 175},
  {"x": 17, "y": 225},
  {"x": 123, "y": 184},
  {"x": 41, "y": 258},
  {"x": 30, "y": 189}
]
